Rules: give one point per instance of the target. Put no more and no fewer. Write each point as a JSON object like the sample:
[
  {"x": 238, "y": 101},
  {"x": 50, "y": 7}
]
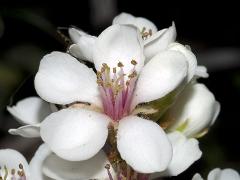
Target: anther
[
  {"x": 150, "y": 32},
  {"x": 114, "y": 70},
  {"x": 107, "y": 166},
  {"x": 133, "y": 62},
  {"x": 120, "y": 64},
  {"x": 20, "y": 166}
]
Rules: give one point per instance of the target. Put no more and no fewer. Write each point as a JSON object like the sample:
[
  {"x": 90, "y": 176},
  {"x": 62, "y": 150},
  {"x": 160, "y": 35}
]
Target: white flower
[
  {"x": 14, "y": 165},
  {"x": 154, "y": 40},
  {"x": 45, "y": 165},
  {"x": 194, "y": 111},
  {"x": 185, "y": 153},
  {"x": 219, "y": 174},
  {"x": 29, "y": 112},
  {"x": 80, "y": 131}
]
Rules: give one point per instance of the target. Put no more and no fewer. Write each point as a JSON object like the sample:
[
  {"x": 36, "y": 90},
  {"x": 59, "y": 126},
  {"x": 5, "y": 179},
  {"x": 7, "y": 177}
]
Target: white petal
[
  {"x": 185, "y": 153},
  {"x": 160, "y": 76},
  {"x": 140, "y": 22},
  {"x": 159, "y": 41},
  {"x": 143, "y": 145},
  {"x": 30, "y": 110},
  {"x": 37, "y": 161},
  {"x": 75, "y": 34},
  {"x": 61, "y": 79},
  {"x": 225, "y": 174},
  {"x": 93, "y": 168},
  {"x": 190, "y": 57},
  {"x": 11, "y": 159},
  {"x": 197, "y": 177},
  {"x": 201, "y": 71},
  {"x": 119, "y": 43},
  {"x": 28, "y": 131},
  {"x": 75, "y": 134},
  {"x": 196, "y": 107},
  {"x": 83, "y": 49}
]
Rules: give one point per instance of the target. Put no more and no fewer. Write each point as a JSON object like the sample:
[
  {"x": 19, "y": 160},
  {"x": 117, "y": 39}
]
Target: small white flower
[
  {"x": 194, "y": 111},
  {"x": 79, "y": 133},
  {"x": 219, "y": 174},
  {"x": 29, "y": 112},
  {"x": 45, "y": 165},
  {"x": 11, "y": 162},
  {"x": 154, "y": 40},
  {"x": 15, "y": 167}
]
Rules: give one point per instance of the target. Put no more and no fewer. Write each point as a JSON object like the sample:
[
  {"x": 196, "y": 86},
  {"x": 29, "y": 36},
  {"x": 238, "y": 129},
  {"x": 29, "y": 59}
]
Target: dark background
[{"x": 28, "y": 31}]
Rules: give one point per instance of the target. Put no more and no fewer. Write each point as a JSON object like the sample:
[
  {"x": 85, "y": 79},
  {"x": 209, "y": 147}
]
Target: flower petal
[
  {"x": 187, "y": 110},
  {"x": 143, "y": 145},
  {"x": 11, "y": 159},
  {"x": 61, "y": 79},
  {"x": 159, "y": 41},
  {"x": 185, "y": 153},
  {"x": 190, "y": 57},
  {"x": 139, "y": 22},
  {"x": 30, "y": 110},
  {"x": 83, "y": 49},
  {"x": 75, "y": 34},
  {"x": 225, "y": 174},
  {"x": 93, "y": 168},
  {"x": 75, "y": 134},
  {"x": 28, "y": 131},
  {"x": 197, "y": 177},
  {"x": 158, "y": 77},
  {"x": 37, "y": 161},
  {"x": 201, "y": 71},
  {"x": 119, "y": 43}
]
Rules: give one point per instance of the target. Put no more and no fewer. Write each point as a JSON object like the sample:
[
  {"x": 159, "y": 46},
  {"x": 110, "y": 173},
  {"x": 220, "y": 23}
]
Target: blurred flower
[{"x": 218, "y": 174}]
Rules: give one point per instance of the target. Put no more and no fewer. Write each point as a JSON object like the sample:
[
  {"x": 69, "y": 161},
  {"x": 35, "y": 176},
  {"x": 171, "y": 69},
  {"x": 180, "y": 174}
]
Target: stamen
[
  {"x": 146, "y": 34},
  {"x": 116, "y": 91},
  {"x": 108, "y": 171}
]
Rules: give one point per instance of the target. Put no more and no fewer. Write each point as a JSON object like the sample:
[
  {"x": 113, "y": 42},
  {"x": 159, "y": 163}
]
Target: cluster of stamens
[
  {"x": 145, "y": 34},
  {"x": 13, "y": 174},
  {"x": 115, "y": 90}
]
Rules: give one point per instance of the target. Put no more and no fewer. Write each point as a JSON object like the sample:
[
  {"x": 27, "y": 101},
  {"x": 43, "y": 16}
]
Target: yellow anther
[
  {"x": 133, "y": 62},
  {"x": 107, "y": 166},
  {"x": 20, "y": 166},
  {"x": 133, "y": 74},
  {"x": 120, "y": 64}
]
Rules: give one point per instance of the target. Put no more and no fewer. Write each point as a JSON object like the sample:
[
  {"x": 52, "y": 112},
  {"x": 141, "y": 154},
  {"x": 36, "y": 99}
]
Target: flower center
[
  {"x": 116, "y": 91},
  {"x": 146, "y": 33},
  {"x": 15, "y": 175}
]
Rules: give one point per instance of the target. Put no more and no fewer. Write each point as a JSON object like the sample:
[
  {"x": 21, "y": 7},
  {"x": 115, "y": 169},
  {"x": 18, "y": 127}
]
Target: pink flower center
[{"x": 116, "y": 90}]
